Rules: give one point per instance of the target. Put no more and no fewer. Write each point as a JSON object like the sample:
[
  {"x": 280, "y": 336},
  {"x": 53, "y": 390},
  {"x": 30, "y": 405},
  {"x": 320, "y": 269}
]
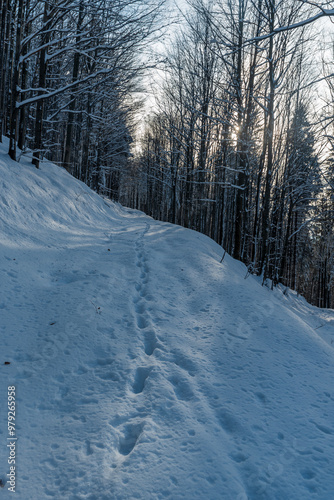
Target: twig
[{"x": 223, "y": 257}]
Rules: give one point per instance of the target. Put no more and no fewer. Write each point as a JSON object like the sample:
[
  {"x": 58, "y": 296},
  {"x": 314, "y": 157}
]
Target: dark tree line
[
  {"x": 70, "y": 70},
  {"x": 237, "y": 150}
]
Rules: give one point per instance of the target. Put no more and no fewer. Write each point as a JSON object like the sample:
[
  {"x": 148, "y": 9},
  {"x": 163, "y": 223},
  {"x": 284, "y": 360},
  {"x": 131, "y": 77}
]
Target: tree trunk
[
  {"x": 42, "y": 82},
  {"x": 269, "y": 141},
  {"x": 15, "y": 84},
  {"x": 241, "y": 177},
  {"x": 72, "y": 106},
  {"x": 24, "y": 80},
  {"x": 3, "y": 61}
]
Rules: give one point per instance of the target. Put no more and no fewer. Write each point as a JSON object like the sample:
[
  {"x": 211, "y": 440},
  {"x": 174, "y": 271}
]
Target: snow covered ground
[{"x": 143, "y": 367}]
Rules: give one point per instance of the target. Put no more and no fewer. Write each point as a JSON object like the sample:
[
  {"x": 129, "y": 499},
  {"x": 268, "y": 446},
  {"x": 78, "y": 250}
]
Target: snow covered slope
[{"x": 143, "y": 367}]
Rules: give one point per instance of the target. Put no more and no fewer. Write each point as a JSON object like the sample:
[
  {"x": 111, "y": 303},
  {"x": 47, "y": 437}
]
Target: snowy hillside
[{"x": 143, "y": 367}]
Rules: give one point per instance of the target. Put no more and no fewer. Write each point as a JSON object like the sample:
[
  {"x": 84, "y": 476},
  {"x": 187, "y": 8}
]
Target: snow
[{"x": 144, "y": 367}]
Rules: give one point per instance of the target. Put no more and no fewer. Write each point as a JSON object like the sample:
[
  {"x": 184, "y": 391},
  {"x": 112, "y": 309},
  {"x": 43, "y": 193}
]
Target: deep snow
[{"x": 144, "y": 367}]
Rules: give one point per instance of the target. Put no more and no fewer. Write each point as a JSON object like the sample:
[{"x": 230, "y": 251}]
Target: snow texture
[{"x": 144, "y": 367}]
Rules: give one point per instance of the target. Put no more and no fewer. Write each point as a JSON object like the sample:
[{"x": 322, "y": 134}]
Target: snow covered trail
[{"x": 146, "y": 369}]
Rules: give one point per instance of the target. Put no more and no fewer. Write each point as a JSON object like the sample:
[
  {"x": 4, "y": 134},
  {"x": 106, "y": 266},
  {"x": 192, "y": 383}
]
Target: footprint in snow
[
  {"x": 140, "y": 308},
  {"x": 228, "y": 422},
  {"x": 150, "y": 343},
  {"x": 140, "y": 379},
  {"x": 142, "y": 322},
  {"x": 128, "y": 441},
  {"x": 182, "y": 388}
]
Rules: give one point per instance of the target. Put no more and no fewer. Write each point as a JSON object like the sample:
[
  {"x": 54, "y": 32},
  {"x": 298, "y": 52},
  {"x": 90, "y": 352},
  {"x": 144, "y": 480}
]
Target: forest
[{"x": 238, "y": 143}]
